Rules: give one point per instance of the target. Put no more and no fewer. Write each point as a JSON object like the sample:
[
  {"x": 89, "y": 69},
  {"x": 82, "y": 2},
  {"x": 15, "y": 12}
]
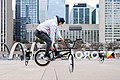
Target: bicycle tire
[
  {"x": 26, "y": 62},
  {"x": 101, "y": 60},
  {"x": 38, "y": 58},
  {"x": 71, "y": 63}
]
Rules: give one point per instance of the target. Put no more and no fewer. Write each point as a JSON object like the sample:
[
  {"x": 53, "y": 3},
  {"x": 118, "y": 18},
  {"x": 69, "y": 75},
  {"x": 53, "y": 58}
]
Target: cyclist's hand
[
  {"x": 62, "y": 40},
  {"x": 52, "y": 48}
]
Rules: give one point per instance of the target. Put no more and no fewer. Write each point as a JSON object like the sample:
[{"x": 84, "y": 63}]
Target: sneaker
[
  {"x": 46, "y": 58},
  {"x": 47, "y": 55}
]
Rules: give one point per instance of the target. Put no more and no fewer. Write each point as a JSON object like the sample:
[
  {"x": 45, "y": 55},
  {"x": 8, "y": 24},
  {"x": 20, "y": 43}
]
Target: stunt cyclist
[{"x": 46, "y": 31}]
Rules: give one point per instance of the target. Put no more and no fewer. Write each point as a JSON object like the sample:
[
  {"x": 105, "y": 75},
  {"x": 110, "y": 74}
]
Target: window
[{"x": 108, "y": 0}]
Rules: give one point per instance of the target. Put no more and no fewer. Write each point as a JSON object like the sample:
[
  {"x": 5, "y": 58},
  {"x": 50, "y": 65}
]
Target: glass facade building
[
  {"x": 83, "y": 14},
  {"x": 94, "y": 17},
  {"x": 27, "y": 12}
]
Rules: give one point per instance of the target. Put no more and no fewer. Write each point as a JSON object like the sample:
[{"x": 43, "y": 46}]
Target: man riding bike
[{"x": 46, "y": 31}]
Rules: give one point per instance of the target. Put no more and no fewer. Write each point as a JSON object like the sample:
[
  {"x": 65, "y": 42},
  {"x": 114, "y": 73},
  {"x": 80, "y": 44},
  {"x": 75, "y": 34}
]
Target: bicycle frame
[
  {"x": 41, "y": 61},
  {"x": 69, "y": 48}
]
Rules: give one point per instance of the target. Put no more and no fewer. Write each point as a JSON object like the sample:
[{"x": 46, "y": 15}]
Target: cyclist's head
[{"x": 60, "y": 20}]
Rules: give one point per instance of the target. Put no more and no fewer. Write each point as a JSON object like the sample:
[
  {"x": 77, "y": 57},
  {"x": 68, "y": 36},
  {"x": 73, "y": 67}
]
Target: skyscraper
[
  {"x": 95, "y": 15},
  {"x": 6, "y": 25},
  {"x": 82, "y": 14},
  {"x": 67, "y": 13},
  {"x": 109, "y": 28},
  {"x": 56, "y": 7},
  {"x": 27, "y": 12}
]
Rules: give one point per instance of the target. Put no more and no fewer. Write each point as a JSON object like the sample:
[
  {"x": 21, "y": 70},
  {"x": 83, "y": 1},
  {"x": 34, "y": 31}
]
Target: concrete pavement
[{"x": 58, "y": 70}]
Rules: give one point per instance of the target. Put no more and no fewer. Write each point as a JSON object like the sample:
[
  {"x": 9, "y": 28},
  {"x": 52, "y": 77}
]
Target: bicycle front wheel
[
  {"x": 39, "y": 58},
  {"x": 71, "y": 63}
]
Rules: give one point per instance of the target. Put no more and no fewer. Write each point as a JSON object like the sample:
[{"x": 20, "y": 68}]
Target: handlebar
[{"x": 68, "y": 46}]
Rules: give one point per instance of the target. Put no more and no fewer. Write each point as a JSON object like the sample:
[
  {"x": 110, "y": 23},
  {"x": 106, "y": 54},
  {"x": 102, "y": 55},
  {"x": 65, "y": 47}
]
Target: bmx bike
[{"x": 68, "y": 51}]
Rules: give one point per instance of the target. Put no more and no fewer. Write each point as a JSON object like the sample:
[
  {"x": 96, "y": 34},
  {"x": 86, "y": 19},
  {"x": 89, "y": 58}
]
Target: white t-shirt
[{"x": 50, "y": 27}]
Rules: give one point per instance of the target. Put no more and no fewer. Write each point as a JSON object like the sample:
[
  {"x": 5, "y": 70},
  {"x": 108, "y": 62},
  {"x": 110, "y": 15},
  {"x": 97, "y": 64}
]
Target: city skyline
[
  {"x": 108, "y": 27},
  {"x": 70, "y": 2},
  {"x": 92, "y": 3}
]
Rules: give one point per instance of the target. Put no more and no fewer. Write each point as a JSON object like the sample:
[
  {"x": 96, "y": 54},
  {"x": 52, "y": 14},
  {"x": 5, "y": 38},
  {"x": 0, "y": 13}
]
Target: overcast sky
[{"x": 13, "y": 5}]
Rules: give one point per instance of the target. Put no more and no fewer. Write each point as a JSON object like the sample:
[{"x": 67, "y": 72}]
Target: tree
[
  {"x": 112, "y": 45},
  {"x": 96, "y": 46},
  {"x": 79, "y": 44}
]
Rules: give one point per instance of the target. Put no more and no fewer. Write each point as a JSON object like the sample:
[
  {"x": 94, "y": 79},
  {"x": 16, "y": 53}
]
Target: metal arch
[
  {"x": 13, "y": 49},
  {"x": 8, "y": 49}
]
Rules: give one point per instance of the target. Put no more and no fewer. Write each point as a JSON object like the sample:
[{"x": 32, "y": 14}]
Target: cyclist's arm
[
  {"x": 58, "y": 32},
  {"x": 52, "y": 33}
]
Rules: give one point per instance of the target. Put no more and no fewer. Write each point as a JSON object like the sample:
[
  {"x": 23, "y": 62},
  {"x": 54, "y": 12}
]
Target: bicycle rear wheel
[
  {"x": 39, "y": 58},
  {"x": 26, "y": 62},
  {"x": 71, "y": 63},
  {"x": 101, "y": 60}
]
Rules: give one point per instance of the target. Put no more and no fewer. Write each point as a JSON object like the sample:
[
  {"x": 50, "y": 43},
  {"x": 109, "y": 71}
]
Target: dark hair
[
  {"x": 59, "y": 19},
  {"x": 62, "y": 20}
]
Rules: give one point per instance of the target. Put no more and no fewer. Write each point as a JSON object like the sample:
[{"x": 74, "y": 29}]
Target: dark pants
[{"x": 44, "y": 36}]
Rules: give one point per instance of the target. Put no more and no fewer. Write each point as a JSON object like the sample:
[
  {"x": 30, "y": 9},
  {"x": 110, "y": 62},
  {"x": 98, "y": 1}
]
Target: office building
[
  {"x": 83, "y": 14},
  {"x": 67, "y": 14},
  {"x": 31, "y": 32},
  {"x": 87, "y": 32},
  {"x": 109, "y": 28},
  {"x": 27, "y": 12},
  {"x": 95, "y": 15},
  {"x": 6, "y": 24}
]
